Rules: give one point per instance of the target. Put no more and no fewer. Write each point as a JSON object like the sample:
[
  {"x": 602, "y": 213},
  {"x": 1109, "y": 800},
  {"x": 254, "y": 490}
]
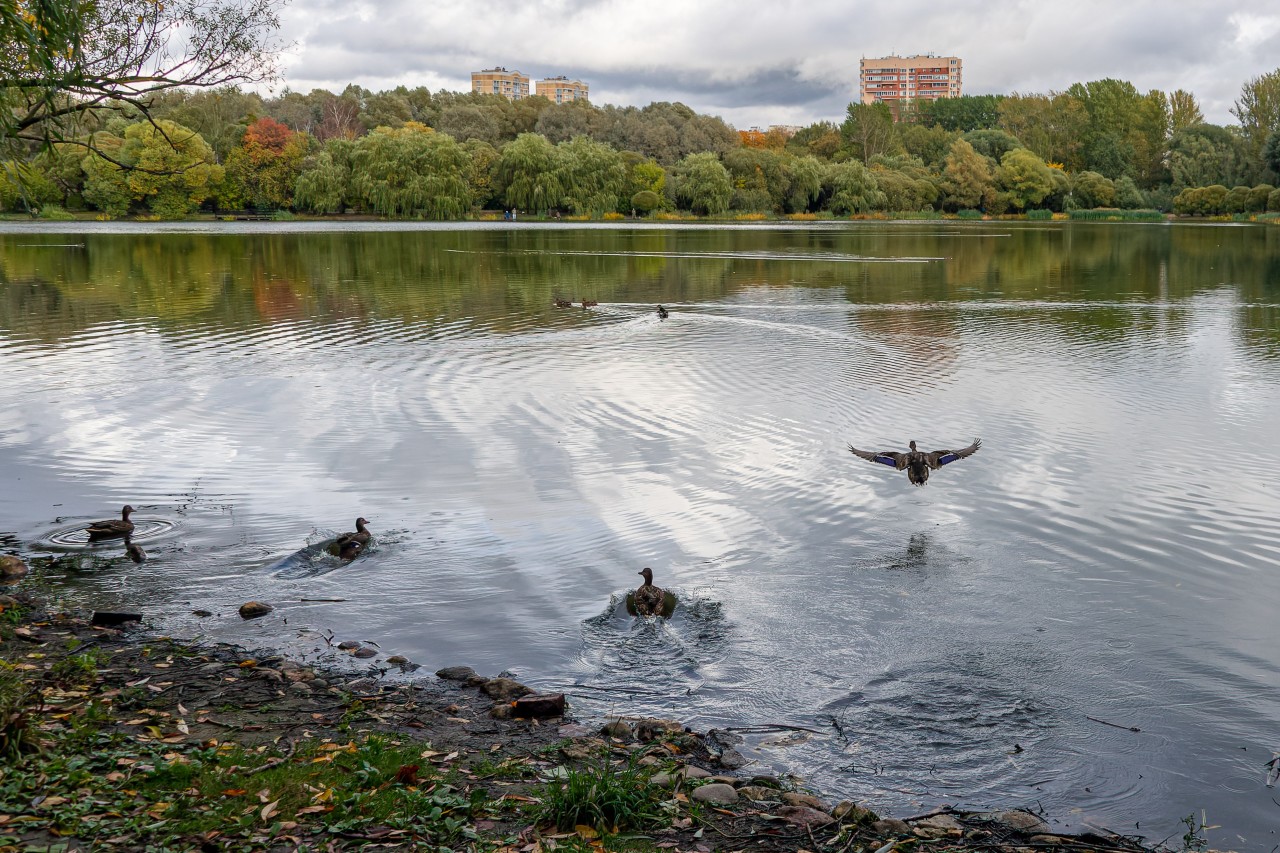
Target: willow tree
[
  {"x": 966, "y": 176},
  {"x": 701, "y": 183},
  {"x": 411, "y": 171},
  {"x": 529, "y": 173},
  {"x": 325, "y": 182},
  {"x": 592, "y": 176},
  {"x": 851, "y": 188},
  {"x": 1024, "y": 177}
]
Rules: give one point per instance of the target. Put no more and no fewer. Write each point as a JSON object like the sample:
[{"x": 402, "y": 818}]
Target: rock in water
[
  {"x": 108, "y": 619},
  {"x": 254, "y": 609},
  {"x": 548, "y": 705}
]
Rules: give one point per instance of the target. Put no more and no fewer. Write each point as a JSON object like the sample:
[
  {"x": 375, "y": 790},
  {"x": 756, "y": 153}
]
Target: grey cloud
[{"x": 785, "y": 63}]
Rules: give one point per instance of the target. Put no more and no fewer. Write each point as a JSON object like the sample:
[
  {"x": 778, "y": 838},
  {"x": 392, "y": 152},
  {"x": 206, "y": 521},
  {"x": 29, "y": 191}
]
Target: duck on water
[
  {"x": 650, "y": 600},
  {"x": 349, "y": 545},
  {"x": 112, "y": 527},
  {"x": 917, "y": 463}
]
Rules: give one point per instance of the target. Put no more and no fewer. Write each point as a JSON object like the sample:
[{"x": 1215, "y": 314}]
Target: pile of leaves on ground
[{"x": 128, "y": 741}]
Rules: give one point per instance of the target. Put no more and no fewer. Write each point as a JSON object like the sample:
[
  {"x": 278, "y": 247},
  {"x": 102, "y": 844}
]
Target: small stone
[
  {"x": 582, "y": 748},
  {"x": 7, "y": 602},
  {"x": 300, "y": 687},
  {"x": 617, "y": 729},
  {"x": 765, "y": 781},
  {"x": 649, "y": 761},
  {"x": 365, "y": 652},
  {"x": 12, "y": 568},
  {"x": 794, "y": 798},
  {"x": 456, "y": 673},
  {"x": 203, "y": 614},
  {"x": 937, "y": 826},
  {"x": 653, "y": 727},
  {"x": 501, "y": 711},
  {"x": 476, "y": 681},
  {"x": 571, "y": 730},
  {"x": 504, "y": 689},
  {"x": 853, "y": 813},
  {"x": 731, "y": 759},
  {"x": 254, "y": 609},
  {"x": 397, "y": 660},
  {"x": 663, "y": 780},
  {"x": 1022, "y": 821},
  {"x": 716, "y": 792},
  {"x": 318, "y": 683},
  {"x": 756, "y": 793},
  {"x": 803, "y": 816},
  {"x": 890, "y": 826},
  {"x": 693, "y": 771},
  {"x": 348, "y": 645}
]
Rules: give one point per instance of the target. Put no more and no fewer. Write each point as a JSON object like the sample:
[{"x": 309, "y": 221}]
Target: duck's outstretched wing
[
  {"x": 884, "y": 457},
  {"x": 938, "y": 458}
]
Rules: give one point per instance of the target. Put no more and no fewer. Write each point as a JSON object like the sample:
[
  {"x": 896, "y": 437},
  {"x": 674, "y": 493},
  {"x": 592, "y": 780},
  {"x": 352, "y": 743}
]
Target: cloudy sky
[{"x": 785, "y": 61}]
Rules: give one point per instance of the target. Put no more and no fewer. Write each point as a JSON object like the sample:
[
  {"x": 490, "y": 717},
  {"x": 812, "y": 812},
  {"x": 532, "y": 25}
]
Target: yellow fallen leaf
[{"x": 585, "y": 831}]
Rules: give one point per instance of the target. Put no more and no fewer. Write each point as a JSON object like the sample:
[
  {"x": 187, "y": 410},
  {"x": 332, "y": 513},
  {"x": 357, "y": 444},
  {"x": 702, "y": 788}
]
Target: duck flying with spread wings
[{"x": 917, "y": 463}]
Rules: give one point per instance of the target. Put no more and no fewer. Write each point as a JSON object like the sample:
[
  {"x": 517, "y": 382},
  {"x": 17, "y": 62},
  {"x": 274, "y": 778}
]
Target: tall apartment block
[
  {"x": 561, "y": 90},
  {"x": 511, "y": 85},
  {"x": 893, "y": 79}
]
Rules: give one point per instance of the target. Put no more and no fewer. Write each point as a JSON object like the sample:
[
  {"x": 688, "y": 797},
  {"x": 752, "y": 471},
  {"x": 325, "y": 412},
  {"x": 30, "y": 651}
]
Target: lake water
[{"x": 1112, "y": 552}]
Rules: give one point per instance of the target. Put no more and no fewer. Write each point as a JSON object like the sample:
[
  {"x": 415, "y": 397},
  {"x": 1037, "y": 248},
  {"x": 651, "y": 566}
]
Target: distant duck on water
[
  {"x": 663, "y": 313},
  {"x": 563, "y": 303},
  {"x": 134, "y": 551},
  {"x": 112, "y": 527},
  {"x": 917, "y": 463},
  {"x": 589, "y": 303}
]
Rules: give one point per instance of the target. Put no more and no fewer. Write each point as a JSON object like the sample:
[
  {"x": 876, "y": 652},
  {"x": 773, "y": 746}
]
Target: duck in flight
[{"x": 917, "y": 463}]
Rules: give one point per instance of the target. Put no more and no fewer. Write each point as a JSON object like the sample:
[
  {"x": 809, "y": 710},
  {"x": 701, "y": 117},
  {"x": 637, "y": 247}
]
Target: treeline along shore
[
  {"x": 113, "y": 737},
  {"x": 411, "y": 153}
]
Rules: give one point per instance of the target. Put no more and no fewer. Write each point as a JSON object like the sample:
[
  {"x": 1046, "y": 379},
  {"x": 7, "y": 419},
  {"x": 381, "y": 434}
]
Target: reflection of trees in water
[{"x": 493, "y": 278}]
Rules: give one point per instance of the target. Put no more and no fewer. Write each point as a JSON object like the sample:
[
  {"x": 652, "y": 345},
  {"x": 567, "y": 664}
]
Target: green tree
[
  {"x": 1205, "y": 154},
  {"x": 1258, "y": 111},
  {"x": 850, "y": 187},
  {"x": 968, "y": 112},
  {"x": 701, "y": 183},
  {"x": 869, "y": 130},
  {"x": 803, "y": 183},
  {"x": 1271, "y": 153},
  {"x": 967, "y": 177},
  {"x": 325, "y": 182},
  {"x": 905, "y": 183},
  {"x": 1050, "y": 125},
  {"x": 167, "y": 166},
  {"x": 646, "y": 201},
  {"x": 991, "y": 143},
  {"x": 1093, "y": 190},
  {"x": 1128, "y": 196},
  {"x": 928, "y": 143},
  {"x": 759, "y": 179},
  {"x": 592, "y": 176},
  {"x": 821, "y": 140},
  {"x": 411, "y": 171},
  {"x": 529, "y": 175},
  {"x": 1024, "y": 177},
  {"x": 1258, "y": 197},
  {"x": 1184, "y": 111},
  {"x": 482, "y": 175}
]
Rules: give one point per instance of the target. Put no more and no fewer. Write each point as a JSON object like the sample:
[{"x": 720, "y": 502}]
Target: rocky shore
[{"x": 114, "y": 738}]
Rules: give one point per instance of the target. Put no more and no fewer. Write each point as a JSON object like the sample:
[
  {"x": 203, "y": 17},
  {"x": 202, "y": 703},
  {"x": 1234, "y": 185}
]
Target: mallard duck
[
  {"x": 133, "y": 551},
  {"x": 663, "y": 313},
  {"x": 112, "y": 528},
  {"x": 917, "y": 463},
  {"x": 649, "y": 599},
  {"x": 350, "y": 550},
  {"x": 563, "y": 303},
  {"x": 361, "y": 537},
  {"x": 589, "y": 303}
]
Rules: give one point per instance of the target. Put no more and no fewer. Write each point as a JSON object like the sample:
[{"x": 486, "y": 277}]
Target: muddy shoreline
[{"x": 119, "y": 738}]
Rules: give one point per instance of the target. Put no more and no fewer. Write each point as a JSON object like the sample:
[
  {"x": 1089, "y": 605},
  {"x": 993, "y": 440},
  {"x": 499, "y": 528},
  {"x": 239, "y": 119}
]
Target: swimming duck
[
  {"x": 350, "y": 550},
  {"x": 589, "y": 303},
  {"x": 649, "y": 599},
  {"x": 917, "y": 463},
  {"x": 663, "y": 313},
  {"x": 563, "y": 303},
  {"x": 361, "y": 537},
  {"x": 133, "y": 551},
  {"x": 112, "y": 528}
]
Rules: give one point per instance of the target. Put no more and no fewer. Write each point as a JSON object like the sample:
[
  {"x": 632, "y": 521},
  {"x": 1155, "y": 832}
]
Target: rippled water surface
[{"x": 1112, "y": 552}]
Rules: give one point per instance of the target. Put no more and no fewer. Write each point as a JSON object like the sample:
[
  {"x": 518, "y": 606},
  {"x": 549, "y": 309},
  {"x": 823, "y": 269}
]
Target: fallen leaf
[
  {"x": 269, "y": 809},
  {"x": 315, "y": 810},
  {"x": 182, "y": 727},
  {"x": 233, "y": 792}
]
